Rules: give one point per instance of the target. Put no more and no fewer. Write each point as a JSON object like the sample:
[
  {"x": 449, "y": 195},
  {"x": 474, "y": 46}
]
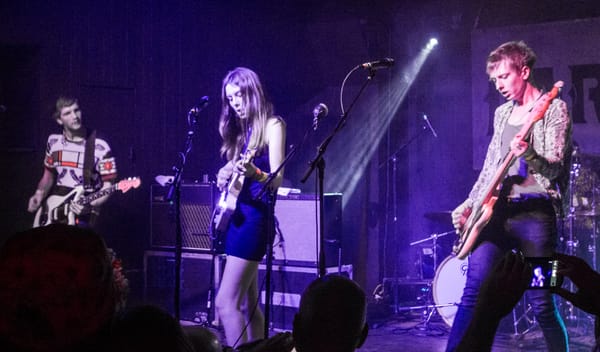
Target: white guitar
[
  {"x": 56, "y": 208},
  {"x": 228, "y": 200}
]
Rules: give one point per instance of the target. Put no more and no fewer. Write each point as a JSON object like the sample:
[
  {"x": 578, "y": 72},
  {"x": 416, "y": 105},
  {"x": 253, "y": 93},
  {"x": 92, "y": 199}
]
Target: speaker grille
[{"x": 197, "y": 202}]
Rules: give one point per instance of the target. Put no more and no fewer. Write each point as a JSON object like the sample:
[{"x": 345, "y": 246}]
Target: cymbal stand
[
  {"x": 433, "y": 237},
  {"x": 572, "y": 242},
  {"x": 594, "y": 237},
  {"x": 429, "y": 309}
]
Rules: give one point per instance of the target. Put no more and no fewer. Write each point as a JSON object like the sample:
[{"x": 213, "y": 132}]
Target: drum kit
[{"x": 579, "y": 233}]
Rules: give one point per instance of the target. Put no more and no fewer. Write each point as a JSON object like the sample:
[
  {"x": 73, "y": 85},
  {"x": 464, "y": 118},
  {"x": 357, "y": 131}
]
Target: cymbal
[{"x": 590, "y": 212}]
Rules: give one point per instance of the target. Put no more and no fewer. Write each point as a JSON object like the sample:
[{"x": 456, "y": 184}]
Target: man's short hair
[
  {"x": 516, "y": 52},
  {"x": 62, "y": 102}
]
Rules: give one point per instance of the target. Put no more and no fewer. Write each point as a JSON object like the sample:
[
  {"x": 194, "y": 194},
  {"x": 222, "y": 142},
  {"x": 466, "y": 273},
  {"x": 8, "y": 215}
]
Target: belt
[{"x": 528, "y": 197}]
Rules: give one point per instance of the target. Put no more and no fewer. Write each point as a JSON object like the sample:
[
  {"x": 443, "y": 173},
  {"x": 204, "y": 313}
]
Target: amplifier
[
  {"x": 298, "y": 221},
  {"x": 195, "y": 302},
  {"x": 196, "y": 207}
]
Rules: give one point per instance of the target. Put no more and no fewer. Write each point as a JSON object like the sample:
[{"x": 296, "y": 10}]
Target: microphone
[
  {"x": 196, "y": 109},
  {"x": 424, "y": 116},
  {"x": 319, "y": 112},
  {"x": 377, "y": 64}
]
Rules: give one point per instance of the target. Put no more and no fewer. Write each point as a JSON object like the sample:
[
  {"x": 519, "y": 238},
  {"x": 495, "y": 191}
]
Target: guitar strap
[
  {"x": 247, "y": 141},
  {"x": 88, "y": 162}
]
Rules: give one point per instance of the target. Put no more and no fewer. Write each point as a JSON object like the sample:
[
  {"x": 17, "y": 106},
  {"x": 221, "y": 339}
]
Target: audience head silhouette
[
  {"x": 56, "y": 290},
  {"x": 202, "y": 339},
  {"x": 148, "y": 328},
  {"x": 331, "y": 316}
]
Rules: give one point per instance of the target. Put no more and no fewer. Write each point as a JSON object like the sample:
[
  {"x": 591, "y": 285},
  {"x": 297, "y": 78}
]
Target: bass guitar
[
  {"x": 482, "y": 210},
  {"x": 228, "y": 200},
  {"x": 56, "y": 208}
]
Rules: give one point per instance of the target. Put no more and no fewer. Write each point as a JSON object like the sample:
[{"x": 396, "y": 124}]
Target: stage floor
[{"x": 407, "y": 332}]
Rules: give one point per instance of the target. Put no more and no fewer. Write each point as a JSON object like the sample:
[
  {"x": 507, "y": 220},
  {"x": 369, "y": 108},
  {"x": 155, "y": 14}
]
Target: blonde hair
[{"x": 517, "y": 53}]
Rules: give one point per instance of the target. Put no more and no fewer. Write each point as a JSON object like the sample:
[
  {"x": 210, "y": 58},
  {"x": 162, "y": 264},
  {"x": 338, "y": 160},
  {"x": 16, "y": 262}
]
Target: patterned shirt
[
  {"x": 551, "y": 140},
  {"x": 66, "y": 158}
]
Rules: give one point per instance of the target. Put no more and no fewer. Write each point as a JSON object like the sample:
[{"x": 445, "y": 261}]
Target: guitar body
[
  {"x": 227, "y": 203},
  {"x": 55, "y": 209},
  {"x": 479, "y": 218},
  {"x": 228, "y": 200},
  {"x": 481, "y": 212}
]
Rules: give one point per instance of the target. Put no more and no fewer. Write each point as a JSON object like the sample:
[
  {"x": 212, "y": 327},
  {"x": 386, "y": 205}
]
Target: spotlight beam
[{"x": 359, "y": 146}]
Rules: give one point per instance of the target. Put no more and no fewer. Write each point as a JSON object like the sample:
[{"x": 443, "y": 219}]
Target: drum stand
[
  {"x": 572, "y": 242},
  {"x": 428, "y": 308}
]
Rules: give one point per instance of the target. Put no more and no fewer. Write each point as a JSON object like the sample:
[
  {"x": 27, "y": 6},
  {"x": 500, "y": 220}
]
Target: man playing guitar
[
  {"x": 70, "y": 163},
  {"x": 524, "y": 216}
]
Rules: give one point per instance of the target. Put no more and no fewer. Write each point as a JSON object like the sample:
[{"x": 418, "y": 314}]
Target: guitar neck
[{"x": 101, "y": 193}]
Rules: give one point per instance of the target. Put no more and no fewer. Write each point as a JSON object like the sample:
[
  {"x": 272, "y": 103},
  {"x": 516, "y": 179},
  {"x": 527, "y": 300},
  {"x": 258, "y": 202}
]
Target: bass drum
[{"x": 448, "y": 284}]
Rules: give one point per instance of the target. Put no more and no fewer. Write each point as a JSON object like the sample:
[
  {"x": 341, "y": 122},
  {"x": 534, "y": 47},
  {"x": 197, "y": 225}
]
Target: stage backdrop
[{"x": 567, "y": 51}]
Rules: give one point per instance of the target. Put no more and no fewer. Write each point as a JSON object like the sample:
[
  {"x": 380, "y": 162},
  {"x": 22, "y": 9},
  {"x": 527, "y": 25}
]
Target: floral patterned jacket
[{"x": 551, "y": 138}]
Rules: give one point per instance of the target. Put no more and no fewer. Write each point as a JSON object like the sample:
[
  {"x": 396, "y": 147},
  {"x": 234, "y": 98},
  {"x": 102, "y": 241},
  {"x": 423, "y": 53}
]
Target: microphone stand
[
  {"x": 175, "y": 192},
  {"x": 394, "y": 159},
  {"x": 271, "y": 198},
  {"x": 319, "y": 162}
]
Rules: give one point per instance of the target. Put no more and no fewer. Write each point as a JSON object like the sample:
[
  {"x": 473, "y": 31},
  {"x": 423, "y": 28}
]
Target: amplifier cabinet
[
  {"x": 287, "y": 285},
  {"x": 298, "y": 221},
  {"x": 197, "y": 204},
  {"x": 195, "y": 283}
]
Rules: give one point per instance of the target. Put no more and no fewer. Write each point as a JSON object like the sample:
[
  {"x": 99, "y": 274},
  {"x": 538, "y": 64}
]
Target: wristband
[
  {"x": 260, "y": 176},
  {"x": 531, "y": 155},
  {"x": 257, "y": 173}
]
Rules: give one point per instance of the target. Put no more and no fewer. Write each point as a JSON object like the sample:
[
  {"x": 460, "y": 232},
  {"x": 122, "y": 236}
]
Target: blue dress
[{"x": 247, "y": 235}]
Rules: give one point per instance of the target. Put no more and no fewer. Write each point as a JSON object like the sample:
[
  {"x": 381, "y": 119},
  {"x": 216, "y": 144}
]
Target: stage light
[{"x": 432, "y": 43}]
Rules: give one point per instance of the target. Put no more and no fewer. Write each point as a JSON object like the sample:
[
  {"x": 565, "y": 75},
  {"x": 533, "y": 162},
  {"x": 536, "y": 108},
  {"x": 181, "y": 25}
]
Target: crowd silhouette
[{"x": 59, "y": 292}]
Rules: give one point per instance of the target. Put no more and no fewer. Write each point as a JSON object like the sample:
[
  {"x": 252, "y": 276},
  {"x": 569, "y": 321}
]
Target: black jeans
[{"x": 530, "y": 226}]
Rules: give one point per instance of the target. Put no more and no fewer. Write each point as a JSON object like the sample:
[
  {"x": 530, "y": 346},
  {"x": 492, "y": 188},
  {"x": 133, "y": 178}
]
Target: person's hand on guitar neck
[
  {"x": 461, "y": 214},
  {"x": 246, "y": 168},
  {"x": 521, "y": 148}
]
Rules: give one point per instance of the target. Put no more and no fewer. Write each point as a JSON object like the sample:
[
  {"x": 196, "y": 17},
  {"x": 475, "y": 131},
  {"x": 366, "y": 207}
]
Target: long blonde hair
[{"x": 234, "y": 130}]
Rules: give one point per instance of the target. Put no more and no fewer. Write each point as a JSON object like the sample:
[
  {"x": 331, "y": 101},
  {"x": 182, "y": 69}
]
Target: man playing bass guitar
[{"x": 523, "y": 212}]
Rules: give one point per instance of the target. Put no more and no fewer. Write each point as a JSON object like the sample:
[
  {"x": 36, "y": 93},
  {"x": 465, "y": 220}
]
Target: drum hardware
[
  {"x": 572, "y": 242},
  {"x": 530, "y": 322},
  {"x": 433, "y": 238},
  {"x": 430, "y": 306},
  {"x": 579, "y": 184}
]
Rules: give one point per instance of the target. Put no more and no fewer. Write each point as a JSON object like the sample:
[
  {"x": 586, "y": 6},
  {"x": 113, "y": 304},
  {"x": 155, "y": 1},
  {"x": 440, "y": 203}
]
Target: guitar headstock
[{"x": 129, "y": 183}]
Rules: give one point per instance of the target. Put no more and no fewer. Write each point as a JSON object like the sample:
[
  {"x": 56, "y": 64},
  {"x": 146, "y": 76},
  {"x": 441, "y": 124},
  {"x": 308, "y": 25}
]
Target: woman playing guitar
[{"x": 253, "y": 144}]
